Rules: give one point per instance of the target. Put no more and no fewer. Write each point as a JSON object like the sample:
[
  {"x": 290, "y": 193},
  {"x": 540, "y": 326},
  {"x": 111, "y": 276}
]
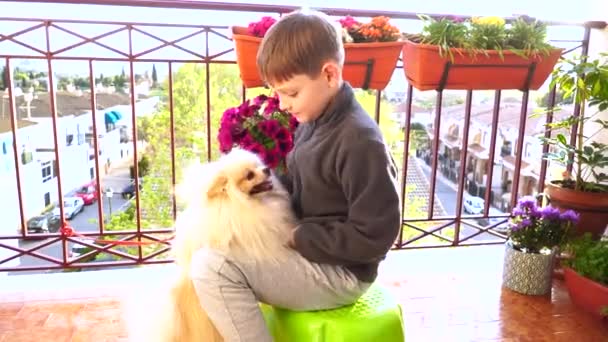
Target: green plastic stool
[{"x": 376, "y": 316}]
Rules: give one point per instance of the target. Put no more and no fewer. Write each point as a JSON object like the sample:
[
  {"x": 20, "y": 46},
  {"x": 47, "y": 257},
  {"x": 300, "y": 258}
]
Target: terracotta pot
[
  {"x": 381, "y": 57},
  {"x": 591, "y": 296},
  {"x": 246, "y": 47},
  {"x": 592, "y": 207},
  {"x": 424, "y": 68}
]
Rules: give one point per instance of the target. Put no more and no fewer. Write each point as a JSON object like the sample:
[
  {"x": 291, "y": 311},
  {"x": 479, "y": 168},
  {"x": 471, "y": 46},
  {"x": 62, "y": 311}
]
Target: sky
[{"x": 542, "y": 9}]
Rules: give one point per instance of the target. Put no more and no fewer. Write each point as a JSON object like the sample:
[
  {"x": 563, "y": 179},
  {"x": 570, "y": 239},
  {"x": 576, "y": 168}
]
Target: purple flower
[
  {"x": 518, "y": 212},
  {"x": 550, "y": 213},
  {"x": 272, "y": 105},
  {"x": 260, "y": 99},
  {"x": 527, "y": 202},
  {"x": 535, "y": 212},
  {"x": 225, "y": 139},
  {"x": 293, "y": 123},
  {"x": 349, "y": 22},
  {"x": 230, "y": 116},
  {"x": 525, "y": 223},
  {"x": 270, "y": 128},
  {"x": 246, "y": 110},
  {"x": 570, "y": 215},
  {"x": 453, "y": 18},
  {"x": 259, "y": 28}
]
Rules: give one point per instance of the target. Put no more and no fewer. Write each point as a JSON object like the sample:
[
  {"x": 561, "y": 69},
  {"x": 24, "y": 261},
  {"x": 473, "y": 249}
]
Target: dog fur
[{"x": 225, "y": 212}]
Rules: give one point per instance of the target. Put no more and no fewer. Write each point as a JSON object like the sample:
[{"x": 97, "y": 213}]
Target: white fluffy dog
[{"x": 234, "y": 205}]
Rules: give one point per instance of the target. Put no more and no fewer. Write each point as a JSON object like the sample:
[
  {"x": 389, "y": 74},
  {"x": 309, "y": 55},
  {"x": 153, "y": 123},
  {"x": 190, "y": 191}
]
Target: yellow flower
[{"x": 496, "y": 21}]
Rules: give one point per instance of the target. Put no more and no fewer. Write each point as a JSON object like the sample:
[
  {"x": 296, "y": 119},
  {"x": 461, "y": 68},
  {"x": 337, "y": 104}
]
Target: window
[
  {"x": 26, "y": 157},
  {"x": 528, "y": 152},
  {"x": 46, "y": 172},
  {"x": 47, "y": 199},
  {"x": 4, "y": 148},
  {"x": 55, "y": 168}
]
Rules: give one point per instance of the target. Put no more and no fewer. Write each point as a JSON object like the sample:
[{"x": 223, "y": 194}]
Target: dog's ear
[{"x": 217, "y": 186}]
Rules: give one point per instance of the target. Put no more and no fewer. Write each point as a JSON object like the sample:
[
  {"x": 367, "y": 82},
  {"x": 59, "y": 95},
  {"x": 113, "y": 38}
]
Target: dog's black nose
[{"x": 266, "y": 171}]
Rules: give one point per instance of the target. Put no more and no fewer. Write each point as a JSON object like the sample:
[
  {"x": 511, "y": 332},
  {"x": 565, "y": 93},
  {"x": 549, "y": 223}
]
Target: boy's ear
[
  {"x": 332, "y": 73},
  {"x": 217, "y": 186}
]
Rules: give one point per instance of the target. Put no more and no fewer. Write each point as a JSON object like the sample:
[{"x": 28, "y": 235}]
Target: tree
[
  {"x": 154, "y": 76},
  {"x": 543, "y": 101},
  {"x": 189, "y": 95},
  {"x": 4, "y": 79}
]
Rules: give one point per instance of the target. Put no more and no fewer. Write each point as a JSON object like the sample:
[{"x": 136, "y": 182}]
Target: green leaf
[{"x": 588, "y": 150}]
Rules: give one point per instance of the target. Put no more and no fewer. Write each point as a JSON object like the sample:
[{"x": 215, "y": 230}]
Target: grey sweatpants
[{"x": 230, "y": 291}]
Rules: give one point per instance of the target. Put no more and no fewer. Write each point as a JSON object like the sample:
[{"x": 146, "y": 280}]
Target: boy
[{"x": 343, "y": 186}]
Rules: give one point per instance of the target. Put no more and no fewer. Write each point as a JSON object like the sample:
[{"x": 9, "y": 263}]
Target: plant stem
[{"x": 579, "y": 167}]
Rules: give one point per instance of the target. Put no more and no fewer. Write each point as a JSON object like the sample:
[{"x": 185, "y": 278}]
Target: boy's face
[{"x": 305, "y": 97}]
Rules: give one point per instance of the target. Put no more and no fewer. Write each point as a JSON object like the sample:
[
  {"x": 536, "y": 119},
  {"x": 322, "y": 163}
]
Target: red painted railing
[{"x": 431, "y": 226}]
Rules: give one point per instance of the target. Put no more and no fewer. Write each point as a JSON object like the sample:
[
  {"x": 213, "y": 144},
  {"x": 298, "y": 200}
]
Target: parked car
[
  {"x": 71, "y": 207},
  {"x": 43, "y": 223},
  {"x": 129, "y": 190},
  {"x": 88, "y": 193},
  {"x": 473, "y": 204}
]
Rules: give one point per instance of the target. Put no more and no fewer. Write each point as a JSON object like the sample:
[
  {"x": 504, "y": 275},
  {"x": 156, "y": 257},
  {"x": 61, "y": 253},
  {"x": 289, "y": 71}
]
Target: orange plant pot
[
  {"x": 374, "y": 62},
  {"x": 371, "y": 63},
  {"x": 424, "y": 69},
  {"x": 246, "y": 47},
  {"x": 585, "y": 293}
]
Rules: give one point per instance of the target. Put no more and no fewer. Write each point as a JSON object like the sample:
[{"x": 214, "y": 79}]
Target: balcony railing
[{"x": 167, "y": 122}]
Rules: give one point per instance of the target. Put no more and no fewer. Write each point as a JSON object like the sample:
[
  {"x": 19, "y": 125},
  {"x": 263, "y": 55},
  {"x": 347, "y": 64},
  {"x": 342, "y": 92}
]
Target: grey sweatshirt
[{"x": 344, "y": 189}]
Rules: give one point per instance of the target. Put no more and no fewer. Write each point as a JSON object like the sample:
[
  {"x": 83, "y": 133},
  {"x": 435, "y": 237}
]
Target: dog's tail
[
  {"x": 171, "y": 313},
  {"x": 191, "y": 323}
]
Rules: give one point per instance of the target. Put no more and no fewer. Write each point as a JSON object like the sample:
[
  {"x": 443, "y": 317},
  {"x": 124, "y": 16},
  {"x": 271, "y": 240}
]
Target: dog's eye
[{"x": 250, "y": 175}]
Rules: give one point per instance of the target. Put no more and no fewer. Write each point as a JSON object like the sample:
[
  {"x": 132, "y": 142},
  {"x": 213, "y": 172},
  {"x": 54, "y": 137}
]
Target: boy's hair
[{"x": 299, "y": 43}]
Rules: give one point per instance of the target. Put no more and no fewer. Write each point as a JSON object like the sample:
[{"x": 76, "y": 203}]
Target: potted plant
[
  {"x": 586, "y": 188},
  {"x": 259, "y": 126},
  {"x": 586, "y": 274},
  {"x": 371, "y": 51},
  {"x": 479, "y": 53},
  {"x": 534, "y": 237}
]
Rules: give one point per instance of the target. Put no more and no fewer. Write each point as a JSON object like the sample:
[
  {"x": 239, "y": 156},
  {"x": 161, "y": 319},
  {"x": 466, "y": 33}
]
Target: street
[
  {"x": 82, "y": 222},
  {"x": 446, "y": 192}
]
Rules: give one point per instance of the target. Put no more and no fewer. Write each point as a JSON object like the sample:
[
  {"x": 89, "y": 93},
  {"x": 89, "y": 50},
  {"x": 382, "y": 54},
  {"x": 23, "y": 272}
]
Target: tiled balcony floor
[{"x": 447, "y": 295}]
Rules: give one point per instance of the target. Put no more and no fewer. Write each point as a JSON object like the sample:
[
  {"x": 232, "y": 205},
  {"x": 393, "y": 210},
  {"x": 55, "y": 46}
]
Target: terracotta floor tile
[
  {"x": 457, "y": 306},
  {"x": 38, "y": 335},
  {"x": 10, "y": 309}
]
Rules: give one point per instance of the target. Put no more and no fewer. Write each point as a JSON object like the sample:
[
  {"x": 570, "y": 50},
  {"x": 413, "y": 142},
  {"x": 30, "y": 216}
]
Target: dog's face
[{"x": 240, "y": 173}]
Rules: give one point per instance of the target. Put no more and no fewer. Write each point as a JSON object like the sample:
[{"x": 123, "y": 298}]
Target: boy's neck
[
  {"x": 334, "y": 94},
  {"x": 332, "y": 99}
]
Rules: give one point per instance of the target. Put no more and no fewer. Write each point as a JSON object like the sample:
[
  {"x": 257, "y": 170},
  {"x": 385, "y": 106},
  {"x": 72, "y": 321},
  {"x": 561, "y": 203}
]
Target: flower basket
[
  {"x": 246, "y": 47},
  {"x": 426, "y": 69},
  {"x": 369, "y": 60},
  {"x": 370, "y": 65},
  {"x": 527, "y": 273},
  {"x": 591, "y": 296}
]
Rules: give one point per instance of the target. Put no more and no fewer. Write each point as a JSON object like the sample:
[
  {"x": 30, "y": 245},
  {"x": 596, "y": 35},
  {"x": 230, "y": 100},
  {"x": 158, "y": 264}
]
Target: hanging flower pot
[
  {"x": 370, "y": 65},
  {"x": 246, "y": 47},
  {"x": 426, "y": 69},
  {"x": 371, "y": 51},
  {"x": 479, "y": 54}
]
